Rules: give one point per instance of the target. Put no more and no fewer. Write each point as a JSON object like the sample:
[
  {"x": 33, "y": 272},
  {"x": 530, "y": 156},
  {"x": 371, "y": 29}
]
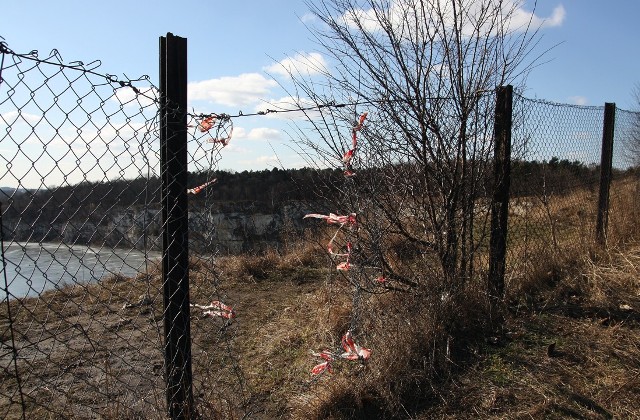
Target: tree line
[{"x": 253, "y": 191}]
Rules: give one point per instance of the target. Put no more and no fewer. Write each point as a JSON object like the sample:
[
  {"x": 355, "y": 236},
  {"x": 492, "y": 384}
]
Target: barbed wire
[
  {"x": 88, "y": 68},
  {"x": 330, "y": 104}
]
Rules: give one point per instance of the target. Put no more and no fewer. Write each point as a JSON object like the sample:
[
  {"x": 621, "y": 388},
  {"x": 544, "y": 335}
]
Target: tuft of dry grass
[
  {"x": 273, "y": 265},
  {"x": 623, "y": 226},
  {"x": 415, "y": 340}
]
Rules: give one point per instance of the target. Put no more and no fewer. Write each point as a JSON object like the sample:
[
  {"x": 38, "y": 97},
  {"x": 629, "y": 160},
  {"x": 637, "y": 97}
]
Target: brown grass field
[{"x": 569, "y": 346}]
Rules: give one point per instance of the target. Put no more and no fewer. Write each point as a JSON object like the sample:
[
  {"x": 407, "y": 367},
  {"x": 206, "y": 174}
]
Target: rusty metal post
[
  {"x": 606, "y": 163},
  {"x": 500, "y": 198}
]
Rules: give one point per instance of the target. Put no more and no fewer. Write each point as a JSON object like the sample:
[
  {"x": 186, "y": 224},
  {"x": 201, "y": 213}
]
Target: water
[{"x": 32, "y": 268}]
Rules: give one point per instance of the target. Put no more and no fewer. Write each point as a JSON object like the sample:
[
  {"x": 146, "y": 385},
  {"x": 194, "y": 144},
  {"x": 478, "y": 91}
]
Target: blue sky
[{"x": 234, "y": 44}]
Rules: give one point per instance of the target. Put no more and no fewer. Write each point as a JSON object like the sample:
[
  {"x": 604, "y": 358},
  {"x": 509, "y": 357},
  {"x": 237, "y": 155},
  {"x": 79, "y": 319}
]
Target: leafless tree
[{"x": 426, "y": 71}]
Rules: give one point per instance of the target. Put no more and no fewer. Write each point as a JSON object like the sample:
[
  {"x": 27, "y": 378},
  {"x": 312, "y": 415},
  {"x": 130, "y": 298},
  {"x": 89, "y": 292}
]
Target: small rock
[{"x": 143, "y": 300}]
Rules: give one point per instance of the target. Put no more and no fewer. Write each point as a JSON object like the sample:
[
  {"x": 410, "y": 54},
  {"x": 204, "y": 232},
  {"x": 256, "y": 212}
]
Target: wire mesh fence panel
[
  {"x": 219, "y": 383},
  {"x": 555, "y": 177},
  {"x": 85, "y": 248},
  {"x": 624, "y": 208},
  {"x": 81, "y": 313},
  {"x": 82, "y": 248}
]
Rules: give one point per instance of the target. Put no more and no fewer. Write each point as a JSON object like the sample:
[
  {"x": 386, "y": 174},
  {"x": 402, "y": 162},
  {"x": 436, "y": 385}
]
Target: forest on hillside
[{"x": 263, "y": 191}]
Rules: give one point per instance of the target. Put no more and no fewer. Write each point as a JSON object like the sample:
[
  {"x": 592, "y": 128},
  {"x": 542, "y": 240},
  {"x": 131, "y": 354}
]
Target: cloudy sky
[{"x": 238, "y": 51}]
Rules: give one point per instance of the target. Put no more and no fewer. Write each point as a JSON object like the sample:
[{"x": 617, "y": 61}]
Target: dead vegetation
[
  {"x": 570, "y": 353},
  {"x": 568, "y": 347}
]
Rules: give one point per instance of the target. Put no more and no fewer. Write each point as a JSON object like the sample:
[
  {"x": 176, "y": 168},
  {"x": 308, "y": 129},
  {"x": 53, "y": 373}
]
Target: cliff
[{"x": 229, "y": 229}]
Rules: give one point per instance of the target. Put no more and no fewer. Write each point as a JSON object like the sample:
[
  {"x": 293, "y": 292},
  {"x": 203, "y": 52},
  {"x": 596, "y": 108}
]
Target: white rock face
[{"x": 209, "y": 231}]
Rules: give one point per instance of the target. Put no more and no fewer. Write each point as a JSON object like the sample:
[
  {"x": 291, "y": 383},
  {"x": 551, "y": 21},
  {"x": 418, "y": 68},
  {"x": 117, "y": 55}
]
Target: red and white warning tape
[
  {"x": 335, "y": 219},
  {"x": 352, "y": 351},
  {"x": 199, "y": 188},
  {"x": 348, "y": 156},
  {"x": 216, "y": 309}
]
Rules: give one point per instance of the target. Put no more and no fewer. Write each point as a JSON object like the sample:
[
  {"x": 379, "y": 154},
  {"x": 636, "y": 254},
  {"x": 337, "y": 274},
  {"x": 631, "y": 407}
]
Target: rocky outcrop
[
  {"x": 232, "y": 230},
  {"x": 241, "y": 231}
]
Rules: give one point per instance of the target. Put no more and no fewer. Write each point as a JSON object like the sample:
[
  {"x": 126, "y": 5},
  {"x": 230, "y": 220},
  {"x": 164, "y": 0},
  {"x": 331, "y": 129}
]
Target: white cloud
[
  {"x": 308, "y": 17},
  {"x": 282, "y": 104},
  {"x": 11, "y": 117},
  {"x": 578, "y": 100},
  {"x": 261, "y": 133},
  {"x": 264, "y": 133},
  {"x": 261, "y": 161},
  {"x": 239, "y": 133},
  {"x": 557, "y": 18},
  {"x": 367, "y": 18},
  {"x": 234, "y": 148},
  {"x": 522, "y": 17},
  {"x": 519, "y": 18},
  {"x": 302, "y": 63},
  {"x": 239, "y": 90},
  {"x": 266, "y": 159}
]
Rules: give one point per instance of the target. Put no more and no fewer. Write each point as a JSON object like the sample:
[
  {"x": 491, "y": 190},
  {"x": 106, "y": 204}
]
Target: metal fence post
[
  {"x": 175, "y": 256},
  {"x": 606, "y": 163},
  {"x": 500, "y": 198}
]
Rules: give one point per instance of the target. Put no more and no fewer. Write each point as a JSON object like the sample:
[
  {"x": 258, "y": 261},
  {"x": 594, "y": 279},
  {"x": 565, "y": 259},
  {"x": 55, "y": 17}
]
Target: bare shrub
[{"x": 415, "y": 339}]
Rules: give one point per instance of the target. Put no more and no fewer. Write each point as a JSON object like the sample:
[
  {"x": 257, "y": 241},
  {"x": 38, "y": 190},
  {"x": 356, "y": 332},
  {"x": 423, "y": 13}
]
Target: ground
[{"x": 570, "y": 350}]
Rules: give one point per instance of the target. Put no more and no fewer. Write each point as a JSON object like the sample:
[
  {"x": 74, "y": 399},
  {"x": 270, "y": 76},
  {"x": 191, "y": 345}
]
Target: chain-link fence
[
  {"x": 82, "y": 309},
  {"x": 83, "y": 247},
  {"x": 556, "y": 178},
  {"x": 624, "y": 211},
  {"x": 84, "y": 317}
]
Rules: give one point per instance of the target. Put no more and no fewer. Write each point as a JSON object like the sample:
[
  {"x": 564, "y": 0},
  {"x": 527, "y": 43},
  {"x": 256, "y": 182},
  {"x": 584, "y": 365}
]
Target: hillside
[{"x": 117, "y": 213}]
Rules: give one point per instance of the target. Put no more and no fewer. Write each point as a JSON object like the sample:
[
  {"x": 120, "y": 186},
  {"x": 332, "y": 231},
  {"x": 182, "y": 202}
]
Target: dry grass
[
  {"x": 431, "y": 359},
  {"x": 625, "y": 213},
  {"x": 574, "y": 354},
  {"x": 569, "y": 347}
]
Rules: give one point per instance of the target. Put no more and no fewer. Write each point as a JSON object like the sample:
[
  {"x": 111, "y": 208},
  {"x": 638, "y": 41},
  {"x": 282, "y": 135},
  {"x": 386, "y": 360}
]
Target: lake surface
[{"x": 32, "y": 268}]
